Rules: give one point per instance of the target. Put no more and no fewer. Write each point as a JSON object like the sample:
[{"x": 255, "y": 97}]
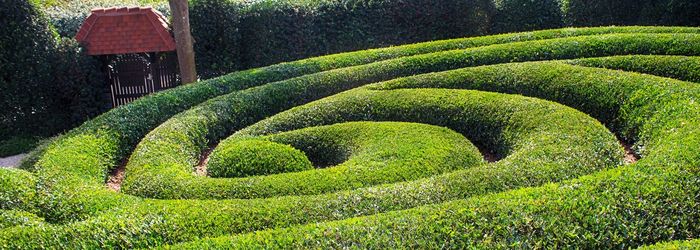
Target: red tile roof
[{"x": 125, "y": 30}]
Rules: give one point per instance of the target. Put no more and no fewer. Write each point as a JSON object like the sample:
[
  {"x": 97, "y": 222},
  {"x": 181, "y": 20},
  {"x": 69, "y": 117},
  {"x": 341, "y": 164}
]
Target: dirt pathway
[{"x": 12, "y": 161}]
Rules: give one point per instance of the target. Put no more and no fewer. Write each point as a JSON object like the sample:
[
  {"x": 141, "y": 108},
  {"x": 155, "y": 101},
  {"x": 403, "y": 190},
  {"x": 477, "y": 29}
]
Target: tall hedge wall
[
  {"x": 522, "y": 15},
  {"x": 231, "y": 36},
  {"x": 46, "y": 83},
  {"x": 22, "y": 55},
  {"x": 632, "y": 12}
]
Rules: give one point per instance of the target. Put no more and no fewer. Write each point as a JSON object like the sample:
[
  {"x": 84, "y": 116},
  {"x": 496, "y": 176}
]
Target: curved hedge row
[
  {"x": 611, "y": 208},
  {"x": 175, "y": 181},
  {"x": 365, "y": 155},
  {"x": 255, "y": 157},
  {"x": 160, "y": 166},
  {"x": 322, "y": 201},
  {"x": 531, "y": 164},
  {"x": 686, "y": 68},
  {"x": 607, "y": 205},
  {"x": 93, "y": 149}
]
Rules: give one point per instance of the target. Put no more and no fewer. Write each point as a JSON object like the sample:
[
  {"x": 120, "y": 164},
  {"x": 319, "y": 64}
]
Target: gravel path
[{"x": 12, "y": 161}]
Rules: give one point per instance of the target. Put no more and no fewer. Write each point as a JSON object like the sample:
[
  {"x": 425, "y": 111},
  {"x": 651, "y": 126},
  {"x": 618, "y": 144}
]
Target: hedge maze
[{"x": 504, "y": 141}]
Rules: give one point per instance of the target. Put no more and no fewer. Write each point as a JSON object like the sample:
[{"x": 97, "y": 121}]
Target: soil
[
  {"x": 116, "y": 177},
  {"x": 630, "y": 155},
  {"x": 489, "y": 156},
  {"x": 201, "y": 168}
]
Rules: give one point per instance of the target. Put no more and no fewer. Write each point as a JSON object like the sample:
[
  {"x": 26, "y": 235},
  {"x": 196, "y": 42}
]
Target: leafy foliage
[
  {"x": 68, "y": 15},
  {"x": 557, "y": 180},
  {"x": 232, "y": 36},
  {"x": 17, "y": 145},
  {"x": 255, "y": 157},
  {"x": 47, "y": 84},
  {"x": 522, "y": 15},
  {"x": 632, "y": 12}
]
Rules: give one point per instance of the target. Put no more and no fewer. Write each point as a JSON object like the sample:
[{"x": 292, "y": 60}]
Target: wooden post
[{"x": 183, "y": 40}]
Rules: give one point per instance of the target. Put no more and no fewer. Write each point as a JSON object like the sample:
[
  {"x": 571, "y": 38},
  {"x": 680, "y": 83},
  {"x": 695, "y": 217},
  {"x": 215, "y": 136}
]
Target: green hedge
[
  {"x": 686, "y": 68},
  {"x": 17, "y": 145},
  {"x": 568, "y": 79},
  {"x": 232, "y": 36},
  {"x": 17, "y": 190},
  {"x": 255, "y": 157},
  {"x": 71, "y": 171},
  {"x": 677, "y": 245},
  {"x": 153, "y": 110},
  {"x": 628, "y": 206},
  {"x": 529, "y": 162},
  {"x": 367, "y": 163},
  {"x": 632, "y": 12},
  {"x": 160, "y": 166},
  {"x": 12, "y": 218},
  {"x": 47, "y": 85}
]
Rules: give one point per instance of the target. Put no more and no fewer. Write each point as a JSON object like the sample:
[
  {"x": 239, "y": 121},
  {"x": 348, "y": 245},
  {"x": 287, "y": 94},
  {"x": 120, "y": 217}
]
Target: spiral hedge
[{"x": 506, "y": 141}]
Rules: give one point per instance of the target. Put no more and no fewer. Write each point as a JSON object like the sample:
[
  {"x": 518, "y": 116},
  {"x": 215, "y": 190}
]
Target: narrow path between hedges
[
  {"x": 116, "y": 177},
  {"x": 201, "y": 168},
  {"x": 630, "y": 155},
  {"x": 11, "y": 161}
]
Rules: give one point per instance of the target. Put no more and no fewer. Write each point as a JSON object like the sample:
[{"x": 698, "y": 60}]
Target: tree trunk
[{"x": 183, "y": 40}]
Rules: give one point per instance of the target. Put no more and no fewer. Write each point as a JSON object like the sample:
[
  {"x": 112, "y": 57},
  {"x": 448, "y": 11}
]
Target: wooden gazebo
[{"x": 136, "y": 48}]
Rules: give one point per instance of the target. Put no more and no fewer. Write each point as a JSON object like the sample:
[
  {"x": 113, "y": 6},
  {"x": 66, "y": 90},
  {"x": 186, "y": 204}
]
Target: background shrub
[
  {"x": 215, "y": 28},
  {"x": 273, "y": 31},
  {"x": 47, "y": 84},
  {"x": 80, "y": 91},
  {"x": 68, "y": 15},
  {"x": 16, "y": 145},
  {"x": 632, "y": 12},
  {"x": 26, "y": 48},
  {"x": 232, "y": 35},
  {"x": 522, "y": 15}
]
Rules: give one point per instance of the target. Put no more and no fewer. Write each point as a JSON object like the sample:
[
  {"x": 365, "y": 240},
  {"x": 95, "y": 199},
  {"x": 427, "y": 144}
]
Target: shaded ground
[
  {"x": 12, "y": 161},
  {"x": 630, "y": 155},
  {"x": 201, "y": 168},
  {"x": 116, "y": 177}
]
